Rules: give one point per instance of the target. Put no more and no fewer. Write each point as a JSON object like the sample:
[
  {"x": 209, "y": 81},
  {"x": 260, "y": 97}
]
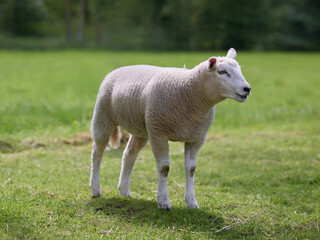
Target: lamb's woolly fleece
[{"x": 144, "y": 100}]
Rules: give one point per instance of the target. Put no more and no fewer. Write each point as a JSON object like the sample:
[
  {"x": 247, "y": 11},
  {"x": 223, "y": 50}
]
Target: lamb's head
[{"x": 228, "y": 78}]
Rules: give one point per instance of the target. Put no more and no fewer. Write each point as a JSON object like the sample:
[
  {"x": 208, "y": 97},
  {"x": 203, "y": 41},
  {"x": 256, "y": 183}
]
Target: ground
[{"x": 257, "y": 175}]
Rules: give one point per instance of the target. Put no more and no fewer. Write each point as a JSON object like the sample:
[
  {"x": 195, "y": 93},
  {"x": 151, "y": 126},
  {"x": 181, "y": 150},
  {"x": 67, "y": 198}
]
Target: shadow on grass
[{"x": 141, "y": 212}]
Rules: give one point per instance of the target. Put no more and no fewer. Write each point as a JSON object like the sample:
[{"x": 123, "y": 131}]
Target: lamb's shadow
[{"x": 141, "y": 211}]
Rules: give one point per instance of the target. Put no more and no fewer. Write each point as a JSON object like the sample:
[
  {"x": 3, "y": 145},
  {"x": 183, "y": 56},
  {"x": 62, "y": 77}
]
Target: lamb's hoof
[
  {"x": 193, "y": 205},
  {"x": 124, "y": 191},
  {"x": 191, "y": 202},
  {"x": 95, "y": 192},
  {"x": 164, "y": 205},
  {"x": 125, "y": 194}
]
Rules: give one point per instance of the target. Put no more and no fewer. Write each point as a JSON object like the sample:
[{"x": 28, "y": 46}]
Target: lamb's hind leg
[
  {"x": 130, "y": 154},
  {"x": 96, "y": 157},
  {"x": 100, "y": 133}
]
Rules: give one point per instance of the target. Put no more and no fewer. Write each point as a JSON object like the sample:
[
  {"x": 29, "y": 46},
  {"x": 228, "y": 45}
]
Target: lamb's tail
[{"x": 114, "y": 140}]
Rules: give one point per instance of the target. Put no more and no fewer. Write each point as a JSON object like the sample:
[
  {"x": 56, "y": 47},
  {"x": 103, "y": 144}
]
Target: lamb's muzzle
[
  {"x": 162, "y": 104},
  {"x": 247, "y": 89}
]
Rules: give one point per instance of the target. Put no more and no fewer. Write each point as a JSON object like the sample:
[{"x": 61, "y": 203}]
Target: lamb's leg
[
  {"x": 191, "y": 150},
  {"x": 96, "y": 157},
  {"x": 130, "y": 154},
  {"x": 101, "y": 131},
  {"x": 161, "y": 153}
]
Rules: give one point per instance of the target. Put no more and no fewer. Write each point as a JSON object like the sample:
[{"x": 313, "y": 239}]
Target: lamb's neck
[
  {"x": 191, "y": 96},
  {"x": 206, "y": 89}
]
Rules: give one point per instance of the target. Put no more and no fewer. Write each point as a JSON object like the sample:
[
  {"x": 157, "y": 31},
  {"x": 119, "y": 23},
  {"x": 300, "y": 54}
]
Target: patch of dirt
[
  {"x": 85, "y": 138},
  {"x": 31, "y": 143},
  {"x": 6, "y": 146},
  {"x": 80, "y": 139}
]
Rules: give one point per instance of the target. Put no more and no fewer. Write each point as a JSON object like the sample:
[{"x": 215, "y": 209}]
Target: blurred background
[{"x": 161, "y": 24}]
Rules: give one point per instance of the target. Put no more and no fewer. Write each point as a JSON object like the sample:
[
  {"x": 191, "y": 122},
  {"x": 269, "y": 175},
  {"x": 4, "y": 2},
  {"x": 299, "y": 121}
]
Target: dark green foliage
[
  {"x": 298, "y": 26},
  {"x": 163, "y": 25},
  {"x": 21, "y": 17}
]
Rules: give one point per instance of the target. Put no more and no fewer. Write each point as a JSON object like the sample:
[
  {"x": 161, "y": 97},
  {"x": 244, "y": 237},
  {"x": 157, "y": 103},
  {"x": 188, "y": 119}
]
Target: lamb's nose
[{"x": 247, "y": 89}]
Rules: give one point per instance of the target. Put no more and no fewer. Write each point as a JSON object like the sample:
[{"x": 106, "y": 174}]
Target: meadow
[{"x": 257, "y": 175}]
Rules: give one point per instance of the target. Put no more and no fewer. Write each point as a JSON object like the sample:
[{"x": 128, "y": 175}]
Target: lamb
[{"x": 161, "y": 104}]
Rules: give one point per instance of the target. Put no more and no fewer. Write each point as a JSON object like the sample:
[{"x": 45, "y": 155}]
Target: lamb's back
[{"x": 126, "y": 91}]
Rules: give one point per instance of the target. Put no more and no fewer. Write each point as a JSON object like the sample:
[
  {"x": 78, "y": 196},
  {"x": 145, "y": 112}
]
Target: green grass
[{"x": 257, "y": 174}]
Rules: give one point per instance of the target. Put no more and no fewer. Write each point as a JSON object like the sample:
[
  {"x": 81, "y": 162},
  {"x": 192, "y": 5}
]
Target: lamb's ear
[
  {"x": 232, "y": 53},
  {"x": 211, "y": 64}
]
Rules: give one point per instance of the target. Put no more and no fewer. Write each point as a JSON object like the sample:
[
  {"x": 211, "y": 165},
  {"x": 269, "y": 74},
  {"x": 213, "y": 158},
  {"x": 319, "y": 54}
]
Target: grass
[{"x": 257, "y": 174}]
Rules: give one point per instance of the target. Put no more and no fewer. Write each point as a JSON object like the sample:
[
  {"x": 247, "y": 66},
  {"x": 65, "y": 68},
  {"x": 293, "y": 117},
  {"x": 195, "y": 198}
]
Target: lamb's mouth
[{"x": 242, "y": 96}]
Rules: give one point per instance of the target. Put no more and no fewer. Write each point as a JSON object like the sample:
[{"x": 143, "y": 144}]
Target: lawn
[{"x": 257, "y": 175}]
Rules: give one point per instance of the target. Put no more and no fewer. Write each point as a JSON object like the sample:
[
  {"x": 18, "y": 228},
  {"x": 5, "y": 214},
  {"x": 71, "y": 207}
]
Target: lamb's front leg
[
  {"x": 191, "y": 150},
  {"x": 161, "y": 153}
]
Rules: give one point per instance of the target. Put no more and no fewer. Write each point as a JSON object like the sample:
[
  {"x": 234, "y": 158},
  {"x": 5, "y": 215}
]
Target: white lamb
[{"x": 162, "y": 104}]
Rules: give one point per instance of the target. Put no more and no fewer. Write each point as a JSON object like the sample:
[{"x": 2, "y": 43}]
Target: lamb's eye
[{"x": 221, "y": 72}]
